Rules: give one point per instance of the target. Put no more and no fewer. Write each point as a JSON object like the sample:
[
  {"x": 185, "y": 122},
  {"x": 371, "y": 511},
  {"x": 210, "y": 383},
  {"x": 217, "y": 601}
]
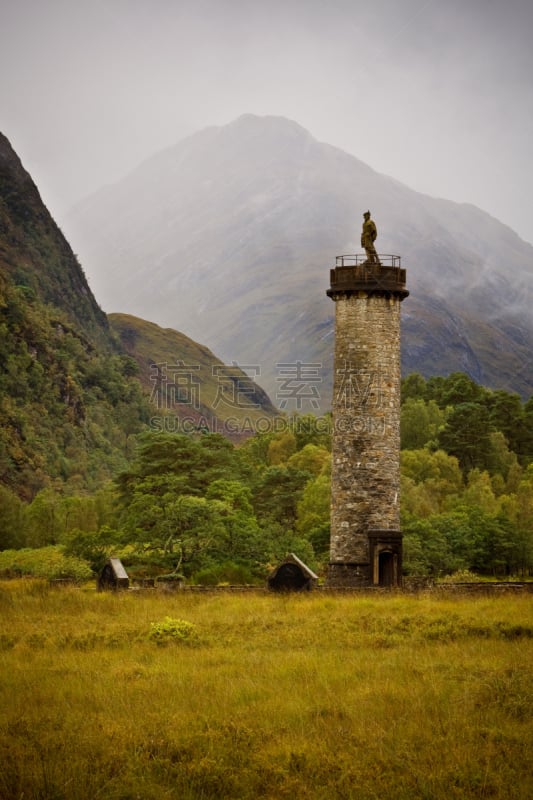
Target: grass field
[{"x": 263, "y": 696}]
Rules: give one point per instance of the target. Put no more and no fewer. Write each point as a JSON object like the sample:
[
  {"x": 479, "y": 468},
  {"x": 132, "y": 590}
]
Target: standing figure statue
[{"x": 368, "y": 237}]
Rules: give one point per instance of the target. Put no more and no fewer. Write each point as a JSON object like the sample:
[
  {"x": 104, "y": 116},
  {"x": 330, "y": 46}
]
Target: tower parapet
[
  {"x": 352, "y": 273},
  {"x": 366, "y": 542}
]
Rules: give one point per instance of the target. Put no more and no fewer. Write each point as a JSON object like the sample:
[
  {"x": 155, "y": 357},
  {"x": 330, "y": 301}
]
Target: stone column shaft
[
  {"x": 365, "y": 500},
  {"x": 366, "y": 418}
]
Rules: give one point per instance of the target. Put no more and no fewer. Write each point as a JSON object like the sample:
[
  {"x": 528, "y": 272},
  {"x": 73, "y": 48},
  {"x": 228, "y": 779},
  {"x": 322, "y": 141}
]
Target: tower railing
[
  {"x": 356, "y": 273},
  {"x": 361, "y": 259}
]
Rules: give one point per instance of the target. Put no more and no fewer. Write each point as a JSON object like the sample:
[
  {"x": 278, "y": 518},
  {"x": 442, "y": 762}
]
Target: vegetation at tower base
[
  {"x": 200, "y": 506},
  {"x": 467, "y": 477}
]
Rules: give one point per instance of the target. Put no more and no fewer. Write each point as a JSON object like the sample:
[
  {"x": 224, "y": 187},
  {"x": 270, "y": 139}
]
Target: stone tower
[{"x": 366, "y": 543}]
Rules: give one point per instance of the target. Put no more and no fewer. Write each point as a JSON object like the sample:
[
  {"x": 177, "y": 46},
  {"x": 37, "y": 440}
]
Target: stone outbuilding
[
  {"x": 113, "y": 576},
  {"x": 292, "y": 575}
]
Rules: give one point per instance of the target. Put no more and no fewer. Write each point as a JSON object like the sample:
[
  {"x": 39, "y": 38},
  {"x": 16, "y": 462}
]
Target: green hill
[
  {"x": 69, "y": 401},
  {"x": 36, "y": 258},
  {"x": 74, "y": 390},
  {"x": 189, "y": 386}
]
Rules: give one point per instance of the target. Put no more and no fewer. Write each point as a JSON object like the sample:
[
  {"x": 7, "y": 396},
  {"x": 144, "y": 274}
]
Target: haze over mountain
[{"x": 229, "y": 236}]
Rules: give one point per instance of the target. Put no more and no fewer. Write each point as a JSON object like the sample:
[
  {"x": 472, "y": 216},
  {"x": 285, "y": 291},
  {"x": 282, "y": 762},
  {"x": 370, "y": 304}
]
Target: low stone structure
[
  {"x": 113, "y": 576},
  {"x": 292, "y": 575}
]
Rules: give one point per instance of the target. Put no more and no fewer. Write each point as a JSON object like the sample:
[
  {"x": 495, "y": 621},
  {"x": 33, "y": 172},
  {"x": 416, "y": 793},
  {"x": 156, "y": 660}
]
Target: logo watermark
[
  {"x": 179, "y": 383},
  {"x": 357, "y": 387},
  {"x": 298, "y": 383},
  {"x": 358, "y": 393}
]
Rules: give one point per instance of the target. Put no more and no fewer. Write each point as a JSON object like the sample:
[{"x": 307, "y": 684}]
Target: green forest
[{"x": 203, "y": 508}]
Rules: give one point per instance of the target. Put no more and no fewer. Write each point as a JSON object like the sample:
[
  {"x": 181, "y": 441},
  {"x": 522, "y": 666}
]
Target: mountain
[
  {"x": 230, "y": 235},
  {"x": 36, "y": 257},
  {"x": 69, "y": 401},
  {"x": 189, "y": 386},
  {"x": 75, "y": 389}
]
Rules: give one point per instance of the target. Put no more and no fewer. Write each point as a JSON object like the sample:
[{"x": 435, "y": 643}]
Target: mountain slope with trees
[
  {"x": 74, "y": 390},
  {"x": 189, "y": 386},
  {"x": 69, "y": 402}
]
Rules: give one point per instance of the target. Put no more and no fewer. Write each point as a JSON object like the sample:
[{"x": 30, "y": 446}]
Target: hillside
[
  {"x": 36, "y": 257},
  {"x": 69, "y": 401},
  {"x": 189, "y": 386},
  {"x": 75, "y": 390},
  {"x": 230, "y": 235}
]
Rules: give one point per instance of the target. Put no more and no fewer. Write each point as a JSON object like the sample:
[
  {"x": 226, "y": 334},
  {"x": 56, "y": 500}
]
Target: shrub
[
  {"x": 227, "y": 573},
  {"x": 462, "y": 576},
  {"x": 45, "y": 562},
  {"x": 172, "y": 630}
]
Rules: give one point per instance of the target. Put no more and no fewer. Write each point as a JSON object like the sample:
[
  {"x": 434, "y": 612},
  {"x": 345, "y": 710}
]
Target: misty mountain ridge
[{"x": 230, "y": 234}]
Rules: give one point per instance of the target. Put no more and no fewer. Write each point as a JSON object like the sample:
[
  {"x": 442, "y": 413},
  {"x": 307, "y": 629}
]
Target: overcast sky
[{"x": 435, "y": 93}]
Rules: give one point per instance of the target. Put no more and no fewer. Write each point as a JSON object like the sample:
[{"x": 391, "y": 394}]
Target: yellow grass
[{"x": 302, "y": 697}]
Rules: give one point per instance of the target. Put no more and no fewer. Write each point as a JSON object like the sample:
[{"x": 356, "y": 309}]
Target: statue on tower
[{"x": 368, "y": 237}]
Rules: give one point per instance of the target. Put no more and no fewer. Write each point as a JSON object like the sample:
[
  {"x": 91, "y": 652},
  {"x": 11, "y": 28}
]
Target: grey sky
[{"x": 436, "y": 93}]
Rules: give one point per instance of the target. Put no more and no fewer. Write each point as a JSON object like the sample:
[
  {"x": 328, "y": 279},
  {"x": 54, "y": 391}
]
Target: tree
[
  {"x": 429, "y": 481},
  {"x": 426, "y": 548},
  {"x": 505, "y": 414},
  {"x": 11, "y": 533},
  {"x": 276, "y": 496},
  {"x": 479, "y": 492},
  {"x": 420, "y": 422},
  {"x": 456, "y": 389},
  {"x": 309, "y": 429},
  {"x": 523, "y": 441},
  {"x": 313, "y": 514},
  {"x": 517, "y": 509},
  {"x": 180, "y": 463},
  {"x": 254, "y": 452},
  {"x": 42, "y": 519},
  {"x": 311, "y": 458},
  {"x": 413, "y": 387},
  {"x": 472, "y": 535},
  {"x": 281, "y": 448},
  {"x": 186, "y": 529},
  {"x": 501, "y": 460},
  {"x": 93, "y": 547},
  {"x": 242, "y": 540},
  {"x": 466, "y": 435}
]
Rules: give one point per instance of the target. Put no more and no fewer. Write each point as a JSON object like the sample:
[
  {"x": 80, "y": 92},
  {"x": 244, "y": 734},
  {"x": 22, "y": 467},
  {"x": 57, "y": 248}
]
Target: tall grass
[{"x": 272, "y": 697}]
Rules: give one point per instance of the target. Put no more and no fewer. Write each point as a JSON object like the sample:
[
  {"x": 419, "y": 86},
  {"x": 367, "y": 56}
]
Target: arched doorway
[{"x": 385, "y": 548}]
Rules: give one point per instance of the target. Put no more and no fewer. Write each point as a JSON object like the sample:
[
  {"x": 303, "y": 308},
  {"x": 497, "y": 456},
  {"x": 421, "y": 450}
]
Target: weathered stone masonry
[{"x": 365, "y": 545}]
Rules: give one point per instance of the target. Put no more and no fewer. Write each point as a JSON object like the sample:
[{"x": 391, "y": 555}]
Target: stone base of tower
[
  {"x": 348, "y": 576},
  {"x": 384, "y": 567}
]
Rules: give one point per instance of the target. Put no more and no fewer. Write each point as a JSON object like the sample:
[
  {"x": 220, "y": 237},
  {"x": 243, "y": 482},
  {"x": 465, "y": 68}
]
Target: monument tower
[{"x": 366, "y": 542}]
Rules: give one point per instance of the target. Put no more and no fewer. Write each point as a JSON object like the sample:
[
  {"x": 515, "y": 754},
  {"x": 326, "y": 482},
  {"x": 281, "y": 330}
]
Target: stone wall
[{"x": 366, "y": 419}]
